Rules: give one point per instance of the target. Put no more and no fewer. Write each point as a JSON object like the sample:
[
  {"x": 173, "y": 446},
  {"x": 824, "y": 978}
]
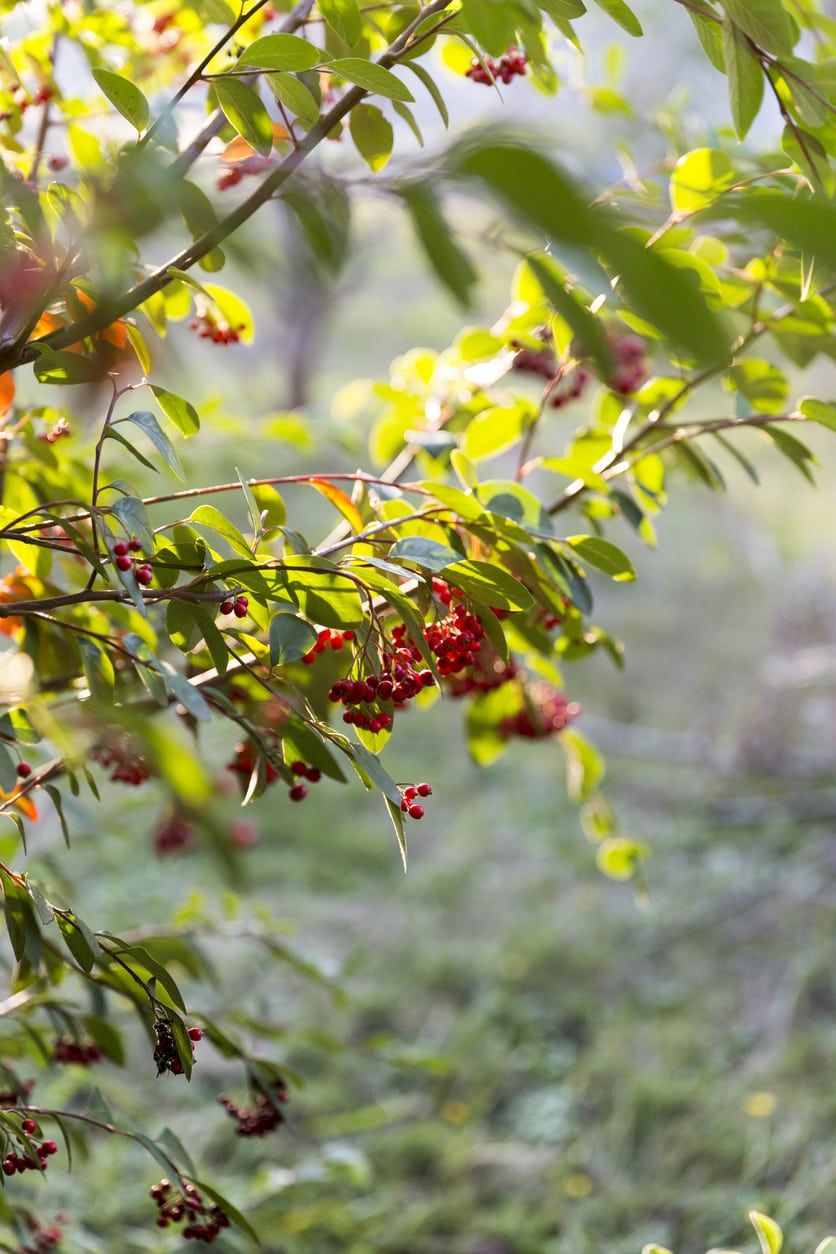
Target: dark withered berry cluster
[
  {"x": 327, "y": 639},
  {"x": 409, "y": 799},
  {"x": 172, "y": 835},
  {"x": 126, "y": 766},
  {"x": 165, "y": 1049},
  {"x": 202, "y": 1222},
  {"x": 209, "y": 327},
  {"x": 238, "y": 605},
  {"x": 264, "y": 1116},
  {"x": 16, "y": 1164},
  {"x": 68, "y": 1049},
  {"x": 127, "y": 556},
  {"x": 545, "y": 713},
  {"x": 512, "y": 63}
]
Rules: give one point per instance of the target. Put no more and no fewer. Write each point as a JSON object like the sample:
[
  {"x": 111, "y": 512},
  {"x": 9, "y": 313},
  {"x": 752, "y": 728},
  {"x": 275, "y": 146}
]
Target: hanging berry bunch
[
  {"x": 126, "y": 766},
  {"x": 328, "y": 639},
  {"x": 545, "y": 712},
  {"x": 83, "y": 1053},
  {"x": 166, "y": 1055},
  {"x": 17, "y": 1164},
  {"x": 186, "y": 1206},
  {"x": 264, "y": 1116},
  {"x": 127, "y": 555},
  {"x": 512, "y": 64},
  {"x": 409, "y": 799}
]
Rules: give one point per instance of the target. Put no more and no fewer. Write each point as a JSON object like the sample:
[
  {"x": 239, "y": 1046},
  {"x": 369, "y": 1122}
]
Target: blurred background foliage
[{"x": 504, "y": 1053}]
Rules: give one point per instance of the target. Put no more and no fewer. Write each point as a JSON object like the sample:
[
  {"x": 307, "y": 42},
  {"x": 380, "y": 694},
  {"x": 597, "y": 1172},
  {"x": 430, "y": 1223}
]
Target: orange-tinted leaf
[
  {"x": 7, "y": 392},
  {"x": 47, "y": 323},
  {"x": 343, "y": 503},
  {"x": 237, "y": 150},
  {"x": 23, "y": 804},
  {"x": 115, "y": 333}
]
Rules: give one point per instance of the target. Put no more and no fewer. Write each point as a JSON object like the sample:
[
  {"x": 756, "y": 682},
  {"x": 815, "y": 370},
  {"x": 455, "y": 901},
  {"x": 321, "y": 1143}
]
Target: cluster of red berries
[
  {"x": 246, "y": 756},
  {"x": 208, "y": 327},
  {"x": 512, "y": 63},
  {"x": 546, "y": 712},
  {"x": 301, "y": 770},
  {"x": 327, "y": 639},
  {"x": 42, "y": 1240},
  {"x": 629, "y": 369},
  {"x": 203, "y": 1223},
  {"x": 409, "y": 799},
  {"x": 398, "y": 681},
  {"x": 172, "y": 835},
  {"x": 265, "y": 1116},
  {"x": 68, "y": 1049},
  {"x": 455, "y": 640},
  {"x": 122, "y": 550},
  {"x": 22, "y": 100},
  {"x": 239, "y": 606},
  {"x": 58, "y": 431},
  {"x": 125, "y": 766},
  {"x": 165, "y": 1049},
  {"x": 16, "y": 1164},
  {"x": 487, "y": 672}
]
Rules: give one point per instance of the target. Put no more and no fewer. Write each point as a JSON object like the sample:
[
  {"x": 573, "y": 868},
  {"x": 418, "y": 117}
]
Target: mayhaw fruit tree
[{"x": 133, "y": 618}]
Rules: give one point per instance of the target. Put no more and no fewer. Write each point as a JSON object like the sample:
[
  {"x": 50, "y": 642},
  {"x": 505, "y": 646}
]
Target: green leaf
[
  {"x": 140, "y": 960},
  {"x": 623, "y": 14},
  {"x": 124, "y": 96},
  {"x": 343, "y": 16},
  {"x": 177, "y": 410},
  {"x": 553, "y": 281},
  {"x": 296, "y": 97},
  {"x": 765, "y": 387},
  {"x": 396, "y": 815},
  {"x": 495, "y": 430},
  {"x": 371, "y": 77},
  {"x": 65, "y": 368},
  {"x": 490, "y": 585},
  {"x": 146, "y": 422},
  {"x": 769, "y": 1234},
  {"x": 603, "y": 555},
  {"x": 823, "y": 412},
  {"x": 98, "y": 670},
  {"x": 206, "y": 516},
  {"x": 219, "y": 1199},
  {"x": 584, "y": 765},
  {"x": 290, "y": 639},
  {"x": 793, "y": 450},
  {"x": 432, "y": 87},
  {"x": 243, "y": 108},
  {"x": 280, "y": 52},
  {"x": 323, "y": 594},
  {"x": 710, "y": 36},
  {"x": 765, "y": 21},
  {"x": 746, "y": 78},
  {"x": 450, "y": 263},
  {"x": 698, "y": 178},
  {"x": 424, "y": 552},
  {"x": 492, "y": 25},
  {"x": 78, "y": 938},
  {"x": 189, "y": 697},
  {"x": 372, "y": 134},
  {"x": 132, "y": 514},
  {"x": 618, "y": 857},
  {"x": 371, "y": 766}
]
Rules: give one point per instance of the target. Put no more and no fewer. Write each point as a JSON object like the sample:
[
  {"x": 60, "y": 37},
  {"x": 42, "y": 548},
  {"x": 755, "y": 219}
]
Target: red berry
[
  {"x": 416, "y": 812},
  {"x": 134, "y": 545},
  {"x": 144, "y": 575},
  {"x": 49, "y": 1148},
  {"x": 298, "y": 792},
  {"x": 24, "y": 770},
  {"x": 226, "y": 607},
  {"x": 299, "y": 768},
  {"x": 120, "y": 548},
  {"x": 29, "y": 1126},
  {"x": 313, "y": 774},
  {"x": 124, "y": 562},
  {"x": 424, "y": 790},
  {"x": 240, "y": 609},
  {"x": 195, "y": 1034}
]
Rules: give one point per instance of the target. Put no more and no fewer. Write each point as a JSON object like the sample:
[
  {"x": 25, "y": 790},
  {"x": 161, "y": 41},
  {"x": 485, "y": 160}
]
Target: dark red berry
[
  {"x": 299, "y": 768},
  {"x": 424, "y": 790},
  {"x": 313, "y": 774},
  {"x": 416, "y": 812},
  {"x": 24, "y": 770},
  {"x": 134, "y": 545},
  {"x": 144, "y": 575},
  {"x": 240, "y": 609},
  {"x": 120, "y": 548},
  {"x": 29, "y": 1126},
  {"x": 195, "y": 1034},
  {"x": 124, "y": 562},
  {"x": 49, "y": 1148},
  {"x": 298, "y": 792},
  {"x": 227, "y": 607}
]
